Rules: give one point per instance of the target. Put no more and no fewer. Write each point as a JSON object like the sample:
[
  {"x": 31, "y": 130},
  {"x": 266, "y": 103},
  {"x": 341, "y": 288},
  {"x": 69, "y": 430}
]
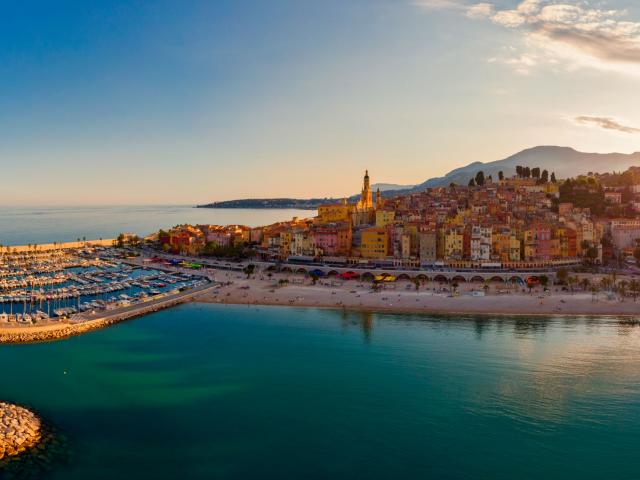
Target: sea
[
  {"x": 208, "y": 391},
  {"x": 28, "y": 225}
]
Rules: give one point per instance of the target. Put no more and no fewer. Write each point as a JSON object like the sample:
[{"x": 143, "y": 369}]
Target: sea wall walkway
[
  {"x": 84, "y": 322},
  {"x": 47, "y": 247},
  {"x": 368, "y": 272}
]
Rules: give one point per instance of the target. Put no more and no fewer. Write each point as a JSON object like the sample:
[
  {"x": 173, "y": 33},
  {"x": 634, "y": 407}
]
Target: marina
[{"x": 53, "y": 287}]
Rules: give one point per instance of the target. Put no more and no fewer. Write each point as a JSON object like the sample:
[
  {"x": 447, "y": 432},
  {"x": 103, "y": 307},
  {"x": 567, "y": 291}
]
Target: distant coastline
[{"x": 269, "y": 203}]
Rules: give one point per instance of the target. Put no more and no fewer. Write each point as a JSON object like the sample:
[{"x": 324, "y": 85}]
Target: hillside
[{"x": 564, "y": 161}]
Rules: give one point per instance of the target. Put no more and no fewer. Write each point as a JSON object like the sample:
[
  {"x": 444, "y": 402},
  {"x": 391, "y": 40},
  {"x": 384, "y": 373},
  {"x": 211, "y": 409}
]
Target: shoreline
[
  {"x": 630, "y": 317},
  {"x": 403, "y": 298}
]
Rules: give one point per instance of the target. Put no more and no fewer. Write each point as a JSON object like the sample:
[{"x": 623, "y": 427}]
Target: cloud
[
  {"x": 607, "y": 123},
  {"x": 576, "y": 34},
  {"x": 440, "y": 4},
  {"x": 522, "y": 63},
  {"x": 480, "y": 10}
]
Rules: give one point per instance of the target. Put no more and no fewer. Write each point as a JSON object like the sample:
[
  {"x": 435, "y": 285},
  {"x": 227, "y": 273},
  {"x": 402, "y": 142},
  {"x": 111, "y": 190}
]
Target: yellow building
[
  {"x": 384, "y": 217},
  {"x": 374, "y": 243},
  {"x": 514, "y": 248},
  {"x": 335, "y": 213},
  {"x": 506, "y": 245},
  {"x": 286, "y": 238},
  {"x": 453, "y": 244}
]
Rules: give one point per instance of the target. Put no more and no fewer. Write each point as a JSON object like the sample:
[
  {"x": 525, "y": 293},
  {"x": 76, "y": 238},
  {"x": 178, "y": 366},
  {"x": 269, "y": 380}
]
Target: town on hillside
[{"x": 530, "y": 220}]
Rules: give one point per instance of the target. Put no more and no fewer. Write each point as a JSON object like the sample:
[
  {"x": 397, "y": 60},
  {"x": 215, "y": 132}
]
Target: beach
[{"x": 402, "y": 296}]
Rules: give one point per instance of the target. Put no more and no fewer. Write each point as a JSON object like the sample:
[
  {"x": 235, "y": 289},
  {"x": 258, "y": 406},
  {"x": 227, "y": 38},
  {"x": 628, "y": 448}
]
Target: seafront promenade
[
  {"x": 404, "y": 296},
  {"x": 47, "y": 247}
]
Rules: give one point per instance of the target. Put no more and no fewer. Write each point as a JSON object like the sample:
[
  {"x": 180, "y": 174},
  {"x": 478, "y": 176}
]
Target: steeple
[
  {"x": 378, "y": 198},
  {"x": 366, "y": 200}
]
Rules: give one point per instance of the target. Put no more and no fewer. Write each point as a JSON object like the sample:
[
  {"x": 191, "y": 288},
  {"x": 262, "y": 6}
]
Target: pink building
[{"x": 333, "y": 239}]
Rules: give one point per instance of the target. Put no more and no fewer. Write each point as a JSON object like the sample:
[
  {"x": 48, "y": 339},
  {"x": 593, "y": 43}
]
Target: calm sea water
[
  {"x": 210, "y": 391},
  {"x": 21, "y": 225}
]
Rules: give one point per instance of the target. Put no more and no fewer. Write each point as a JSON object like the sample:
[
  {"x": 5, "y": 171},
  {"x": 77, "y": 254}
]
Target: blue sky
[{"x": 187, "y": 101}]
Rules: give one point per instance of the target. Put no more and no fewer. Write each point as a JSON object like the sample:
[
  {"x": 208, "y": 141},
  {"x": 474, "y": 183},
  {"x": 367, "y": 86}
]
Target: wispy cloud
[
  {"x": 607, "y": 123},
  {"x": 440, "y": 4},
  {"x": 572, "y": 32},
  {"x": 480, "y": 10}
]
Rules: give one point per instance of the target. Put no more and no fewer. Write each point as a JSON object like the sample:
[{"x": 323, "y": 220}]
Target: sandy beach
[{"x": 402, "y": 296}]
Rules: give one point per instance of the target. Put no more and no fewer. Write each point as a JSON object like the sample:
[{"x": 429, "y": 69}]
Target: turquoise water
[
  {"x": 24, "y": 225},
  {"x": 210, "y": 391}
]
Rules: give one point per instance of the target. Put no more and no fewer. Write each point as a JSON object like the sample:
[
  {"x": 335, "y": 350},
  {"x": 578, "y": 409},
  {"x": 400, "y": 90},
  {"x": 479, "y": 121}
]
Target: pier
[{"x": 85, "y": 322}]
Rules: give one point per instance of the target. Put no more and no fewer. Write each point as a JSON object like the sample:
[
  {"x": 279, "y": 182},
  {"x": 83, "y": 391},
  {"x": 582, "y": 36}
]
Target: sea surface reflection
[{"x": 213, "y": 391}]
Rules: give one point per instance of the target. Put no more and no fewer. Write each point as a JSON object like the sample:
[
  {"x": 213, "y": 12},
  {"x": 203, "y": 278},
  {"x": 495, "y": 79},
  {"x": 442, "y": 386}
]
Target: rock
[{"x": 20, "y": 430}]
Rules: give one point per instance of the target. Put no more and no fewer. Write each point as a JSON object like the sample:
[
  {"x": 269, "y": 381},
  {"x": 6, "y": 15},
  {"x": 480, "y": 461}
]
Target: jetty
[{"x": 86, "y": 322}]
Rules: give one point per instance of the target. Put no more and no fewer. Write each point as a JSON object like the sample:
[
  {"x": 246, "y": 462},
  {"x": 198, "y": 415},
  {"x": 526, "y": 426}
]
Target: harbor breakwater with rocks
[
  {"x": 79, "y": 326},
  {"x": 20, "y": 430},
  {"x": 30, "y": 448}
]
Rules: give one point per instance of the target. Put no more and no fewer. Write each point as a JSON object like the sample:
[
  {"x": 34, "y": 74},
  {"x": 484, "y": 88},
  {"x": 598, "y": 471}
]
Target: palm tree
[
  {"x": 594, "y": 292},
  {"x": 585, "y": 282},
  {"x": 622, "y": 289},
  {"x": 249, "y": 269},
  {"x": 605, "y": 283},
  {"x": 634, "y": 287}
]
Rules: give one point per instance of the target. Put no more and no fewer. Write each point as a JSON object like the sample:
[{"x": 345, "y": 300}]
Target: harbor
[{"x": 55, "y": 294}]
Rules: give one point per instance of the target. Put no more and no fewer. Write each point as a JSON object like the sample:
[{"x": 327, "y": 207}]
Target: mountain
[
  {"x": 390, "y": 186},
  {"x": 308, "y": 204},
  {"x": 564, "y": 161}
]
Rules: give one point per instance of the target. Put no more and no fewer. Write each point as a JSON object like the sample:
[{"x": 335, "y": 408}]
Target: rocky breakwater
[
  {"x": 20, "y": 430},
  {"x": 30, "y": 448},
  {"x": 78, "y": 325}
]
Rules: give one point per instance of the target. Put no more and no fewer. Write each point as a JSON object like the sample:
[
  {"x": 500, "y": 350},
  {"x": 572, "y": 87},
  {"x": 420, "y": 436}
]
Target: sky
[{"x": 186, "y": 101}]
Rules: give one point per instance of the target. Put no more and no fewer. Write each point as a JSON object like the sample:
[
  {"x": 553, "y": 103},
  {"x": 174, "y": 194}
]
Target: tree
[
  {"x": 134, "y": 241},
  {"x": 622, "y": 289},
  {"x": 545, "y": 176},
  {"x": 562, "y": 274},
  {"x": 527, "y": 172},
  {"x": 605, "y": 283},
  {"x": 472, "y": 183},
  {"x": 535, "y": 172},
  {"x": 519, "y": 171},
  {"x": 480, "y": 178},
  {"x": 634, "y": 288},
  {"x": 120, "y": 241},
  {"x": 544, "y": 280},
  {"x": 553, "y": 177},
  {"x": 249, "y": 269},
  {"x": 500, "y": 175}
]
